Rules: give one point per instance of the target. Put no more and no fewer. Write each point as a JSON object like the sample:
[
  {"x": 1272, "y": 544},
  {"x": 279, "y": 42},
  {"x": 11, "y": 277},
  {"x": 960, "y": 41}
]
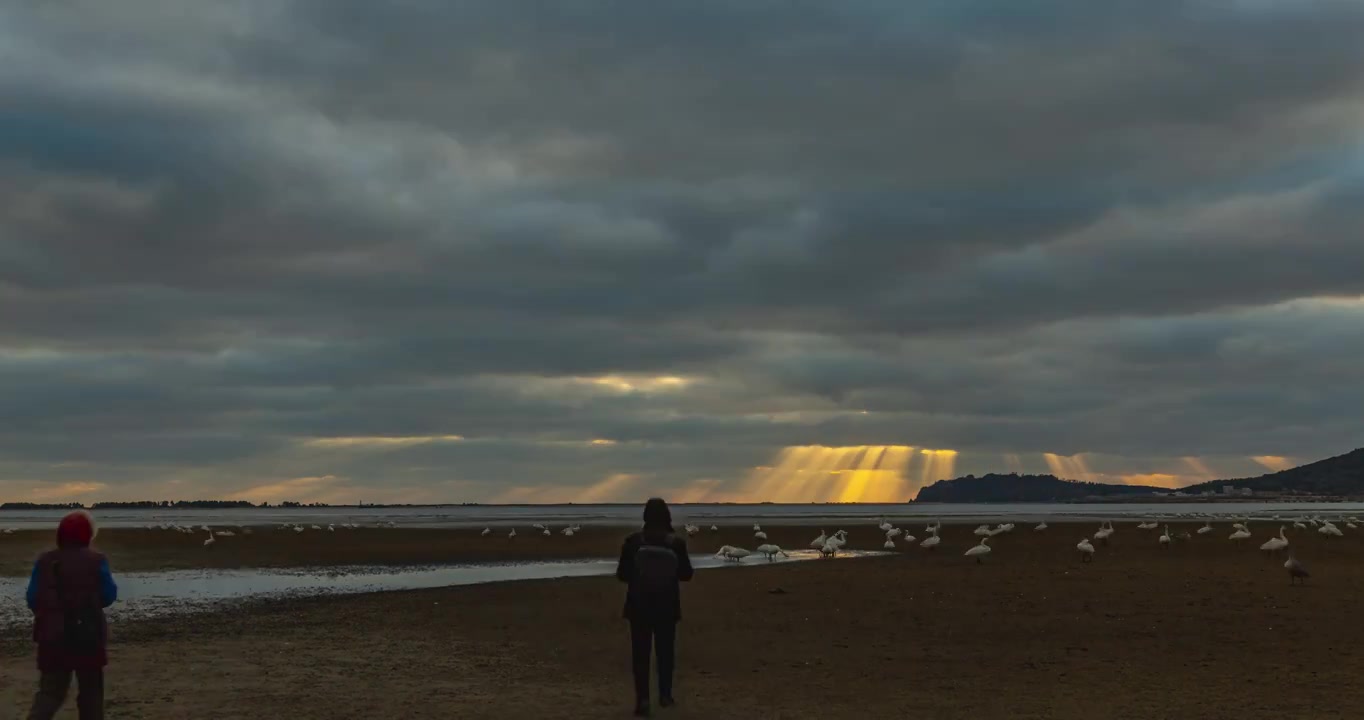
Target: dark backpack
[
  {"x": 80, "y": 626},
  {"x": 656, "y": 567}
]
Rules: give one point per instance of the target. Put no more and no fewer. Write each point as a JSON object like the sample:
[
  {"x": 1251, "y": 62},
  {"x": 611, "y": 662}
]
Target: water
[
  {"x": 177, "y": 591},
  {"x": 705, "y": 515}
]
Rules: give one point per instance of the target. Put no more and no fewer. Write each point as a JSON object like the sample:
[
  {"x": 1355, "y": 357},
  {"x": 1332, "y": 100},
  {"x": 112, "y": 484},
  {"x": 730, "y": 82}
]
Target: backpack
[
  {"x": 81, "y": 630},
  {"x": 656, "y": 567}
]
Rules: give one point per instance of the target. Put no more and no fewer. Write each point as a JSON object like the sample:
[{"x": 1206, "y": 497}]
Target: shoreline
[{"x": 1031, "y": 633}]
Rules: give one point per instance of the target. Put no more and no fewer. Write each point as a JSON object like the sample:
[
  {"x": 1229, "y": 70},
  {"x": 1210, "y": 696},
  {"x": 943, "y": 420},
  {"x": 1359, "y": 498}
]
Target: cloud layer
[{"x": 432, "y": 251}]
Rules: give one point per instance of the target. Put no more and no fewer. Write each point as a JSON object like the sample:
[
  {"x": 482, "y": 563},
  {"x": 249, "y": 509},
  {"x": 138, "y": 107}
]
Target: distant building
[
  {"x": 1228, "y": 490},
  {"x": 1247, "y": 491},
  {"x": 1179, "y": 494}
]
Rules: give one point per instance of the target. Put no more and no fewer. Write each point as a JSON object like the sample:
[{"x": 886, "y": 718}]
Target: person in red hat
[{"x": 68, "y": 591}]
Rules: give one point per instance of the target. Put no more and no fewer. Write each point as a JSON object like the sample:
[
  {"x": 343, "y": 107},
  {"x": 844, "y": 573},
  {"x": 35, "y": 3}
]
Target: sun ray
[
  {"x": 1069, "y": 467},
  {"x": 818, "y": 473},
  {"x": 1199, "y": 468},
  {"x": 1275, "y": 463}
]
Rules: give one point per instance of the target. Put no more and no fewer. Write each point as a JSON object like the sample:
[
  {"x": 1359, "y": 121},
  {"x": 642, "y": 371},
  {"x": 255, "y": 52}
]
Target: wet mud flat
[{"x": 1206, "y": 629}]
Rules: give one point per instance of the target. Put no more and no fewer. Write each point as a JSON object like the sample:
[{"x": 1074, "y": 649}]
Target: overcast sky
[{"x": 520, "y": 251}]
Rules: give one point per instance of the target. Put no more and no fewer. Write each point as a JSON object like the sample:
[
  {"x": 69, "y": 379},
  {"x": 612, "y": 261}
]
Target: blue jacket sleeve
[
  {"x": 32, "y": 595},
  {"x": 108, "y": 591}
]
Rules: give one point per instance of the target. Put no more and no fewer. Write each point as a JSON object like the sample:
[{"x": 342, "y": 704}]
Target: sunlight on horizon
[
  {"x": 816, "y": 473},
  {"x": 1069, "y": 467},
  {"x": 1275, "y": 463}
]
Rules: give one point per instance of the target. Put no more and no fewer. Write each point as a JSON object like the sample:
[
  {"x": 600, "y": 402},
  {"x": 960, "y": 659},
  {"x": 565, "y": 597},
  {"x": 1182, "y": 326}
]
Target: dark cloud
[{"x": 227, "y": 231}]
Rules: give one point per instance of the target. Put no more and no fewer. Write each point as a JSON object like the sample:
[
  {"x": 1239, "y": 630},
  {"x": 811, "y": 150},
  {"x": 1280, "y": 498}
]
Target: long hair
[{"x": 657, "y": 517}]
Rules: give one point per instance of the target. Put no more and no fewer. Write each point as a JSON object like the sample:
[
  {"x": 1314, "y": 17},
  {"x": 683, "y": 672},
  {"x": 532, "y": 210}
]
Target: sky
[{"x": 506, "y": 251}]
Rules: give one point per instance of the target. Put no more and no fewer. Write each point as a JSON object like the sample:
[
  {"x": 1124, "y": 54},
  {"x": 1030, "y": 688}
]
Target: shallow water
[
  {"x": 157, "y": 593},
  {"x": 466, "y": 516}
]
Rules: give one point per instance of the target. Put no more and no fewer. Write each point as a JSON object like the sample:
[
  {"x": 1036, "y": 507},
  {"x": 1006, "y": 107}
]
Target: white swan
[
  {"x": 729, "y": 552},
  {"x": 771, "y": 551},
  {"x": 931, "y": 541},
  {"x": 818, "y": 543},
  {"x": 210, "y": 539},
  {"x": 1275, "y": 544},
  {"x": 511, "y": 534},
  {"x": 979, "y": 551},
  {"x": 760, "y": 535},
  {"x": 1330, "y": 530},
  {"x": 714, "y": 529},
  {"x": 982, "y": 530},
  {"x": 756, "y": 527},
  {"x": 1104, "y": 532},
  {"x": 1241, "y": 533},
  {"x": 1086, "y": 549},
  {"x": 1146, "y": 525},
  {"x": 1040, "y": 526},
  {"x": 486, "y": 532},
  {"x": 884, "y": 526},
  {"x": 1165, "y": 537},
  {"x": 298, "y": 528},
  {"x": 568, "y": 532},
  {"x": 225, "y": 533},
  {"x": 1296, "y": 570},
  {"x": 1207, "y": 528},
  {"x": 889, "y": 544},
  {"x": 894, "y": 533}
]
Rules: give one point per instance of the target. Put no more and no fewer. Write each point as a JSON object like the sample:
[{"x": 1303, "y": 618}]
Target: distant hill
[
  {"x": 1339, "y": 475},
  {"x": 1342, "y": 475},
  {"x": 1023, "y": 488}
]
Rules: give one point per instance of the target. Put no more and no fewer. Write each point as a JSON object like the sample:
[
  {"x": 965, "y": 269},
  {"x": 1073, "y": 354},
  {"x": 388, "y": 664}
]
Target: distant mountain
[
  {"x": 1337, "y": 476},
  {"x": 1023, "y": 488}
]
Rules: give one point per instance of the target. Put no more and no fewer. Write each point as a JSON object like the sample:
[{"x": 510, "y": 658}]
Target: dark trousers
[
  {"x": 662, "y": 635},
  {"x": 52, "y": 687}
]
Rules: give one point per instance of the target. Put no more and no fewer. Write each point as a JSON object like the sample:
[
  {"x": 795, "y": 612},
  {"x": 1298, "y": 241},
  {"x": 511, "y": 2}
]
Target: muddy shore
[{"x": 1207, "y": 629}]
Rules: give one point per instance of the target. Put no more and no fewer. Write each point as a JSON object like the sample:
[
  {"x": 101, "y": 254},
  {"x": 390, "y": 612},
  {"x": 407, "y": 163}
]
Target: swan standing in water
[
  {"x": 931, "y": 542},
  {"x": 771, "y": 551},
  {"x": 760, "y": 535},
  {"x": 979, "y": 551},
  {"x": 729, "y": 552},
  {"x": 818, "y": 543},
  {"x": 1086, "y": 549}
]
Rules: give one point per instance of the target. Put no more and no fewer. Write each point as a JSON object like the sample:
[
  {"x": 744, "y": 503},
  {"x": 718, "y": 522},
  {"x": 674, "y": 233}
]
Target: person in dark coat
[
  {"x": 654, "y": 562},
  {"x": 67, "y": 592}
]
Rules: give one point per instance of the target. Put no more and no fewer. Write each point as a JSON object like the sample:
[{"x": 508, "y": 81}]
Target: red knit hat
[{"x": 77, "y": 529}]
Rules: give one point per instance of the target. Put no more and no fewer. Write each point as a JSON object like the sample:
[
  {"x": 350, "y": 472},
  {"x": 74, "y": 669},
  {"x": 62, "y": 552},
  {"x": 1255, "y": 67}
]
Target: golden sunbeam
[
  {"x": 1199, "y": 468},
  {"x": 1275, "y": 463},
  {"x": 379, "y": 441},
  {"x": 1069, "y": 467},
  {"x": 612, "y": 487},
  {"x": 937, "y": 465},
  {"x": 1163, "y": 480},
  {"x": 1013, "y": 462},
  {"x": 816, "y": 473}
]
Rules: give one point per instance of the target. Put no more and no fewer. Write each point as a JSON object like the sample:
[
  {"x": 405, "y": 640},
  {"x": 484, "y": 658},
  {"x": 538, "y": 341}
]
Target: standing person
[
  {"x": 68, "y": 591},
  {"x": 654, "y": 562}
]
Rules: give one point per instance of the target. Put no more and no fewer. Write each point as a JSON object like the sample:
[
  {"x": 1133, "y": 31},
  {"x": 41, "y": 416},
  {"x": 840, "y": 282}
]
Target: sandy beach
[{"x": 1205, "y": 629}]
